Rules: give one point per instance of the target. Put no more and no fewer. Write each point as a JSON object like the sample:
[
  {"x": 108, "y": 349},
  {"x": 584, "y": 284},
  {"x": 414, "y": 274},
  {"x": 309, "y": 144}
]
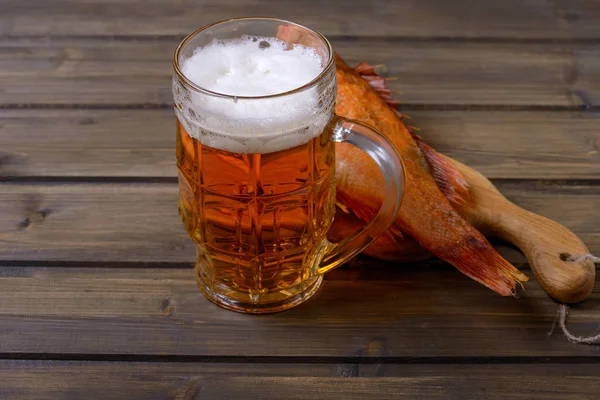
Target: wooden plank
[
  {"x": 26, "y": 380},
  {"x": 517, "y": 145},
  {"x": 421, "y": 18},
  {"x": 139, "y": 222},
  {"x": 106, "y": 72},
  {"x": 87, "y": 143},
  {"x": 360, "y": 313},
  {"x": 58, "y": 222},
  {"x": 129, "y": 143}
]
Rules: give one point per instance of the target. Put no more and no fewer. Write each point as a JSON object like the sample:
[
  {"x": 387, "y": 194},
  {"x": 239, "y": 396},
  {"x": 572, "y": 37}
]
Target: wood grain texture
[
  {"x": 130, "y": 143},
  {"x": 37, "y": 380},
  {"x": 139, "y": 222},
  {"x": 110, "y": 143},
  {"x": 421, "y": 18},
  {"x": 124, "y": 72},
  {"x": 361, "y": 312},
  {"x": 547, "y": 244},
  {"x": 101, "y": 270}
]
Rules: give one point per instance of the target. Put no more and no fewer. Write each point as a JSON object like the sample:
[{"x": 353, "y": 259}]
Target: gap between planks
[
  {"x": 184, "y": 359},
  {"x": 406, "y": 107},
  {"x": 125, "y": 180},
  {"x": 338, "y": 38}
]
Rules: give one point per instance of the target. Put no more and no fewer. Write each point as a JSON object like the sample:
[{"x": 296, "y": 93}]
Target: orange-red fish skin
[
  {"x": 426, "y": 215},
  {"x": 386, "y": 247}
]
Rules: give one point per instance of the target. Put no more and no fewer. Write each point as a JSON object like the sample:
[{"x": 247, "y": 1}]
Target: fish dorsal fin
[{"x": 448, "y": 178}]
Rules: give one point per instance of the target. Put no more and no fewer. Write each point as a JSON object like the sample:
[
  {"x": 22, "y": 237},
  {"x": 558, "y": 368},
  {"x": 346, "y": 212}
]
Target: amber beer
[
  {"x": 259, "y": 220},
  {"x": 256, "y": 133}
]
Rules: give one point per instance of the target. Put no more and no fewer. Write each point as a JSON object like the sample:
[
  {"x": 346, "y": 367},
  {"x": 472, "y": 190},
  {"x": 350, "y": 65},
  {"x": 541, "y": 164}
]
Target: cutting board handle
[{"x": 546, "y": 243}]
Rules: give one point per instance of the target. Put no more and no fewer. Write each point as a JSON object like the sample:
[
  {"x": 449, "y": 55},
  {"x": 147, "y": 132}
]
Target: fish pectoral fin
[
  {"x": 366, "y": 214},
  {"x": 342, "y": 207}
]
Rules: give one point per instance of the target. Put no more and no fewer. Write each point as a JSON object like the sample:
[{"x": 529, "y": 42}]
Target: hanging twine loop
[
  {"x": 583, "y": 258},
  {"x": 563, "y": 310}
]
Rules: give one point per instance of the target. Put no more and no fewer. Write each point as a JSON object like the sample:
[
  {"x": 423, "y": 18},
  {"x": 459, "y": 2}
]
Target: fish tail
[{"x": 477, "y": 259}]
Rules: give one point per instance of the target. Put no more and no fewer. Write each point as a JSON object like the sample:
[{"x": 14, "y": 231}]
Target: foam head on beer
[{"x": 252, "y": 67}]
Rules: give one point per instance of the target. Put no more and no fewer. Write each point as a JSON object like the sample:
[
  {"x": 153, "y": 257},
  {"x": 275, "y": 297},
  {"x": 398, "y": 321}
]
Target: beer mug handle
[{"x": 383, "y": 152}]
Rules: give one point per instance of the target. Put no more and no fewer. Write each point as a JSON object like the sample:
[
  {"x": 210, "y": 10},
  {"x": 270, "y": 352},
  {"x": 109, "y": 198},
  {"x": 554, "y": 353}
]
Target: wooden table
[{"x": 97, "y": 296}]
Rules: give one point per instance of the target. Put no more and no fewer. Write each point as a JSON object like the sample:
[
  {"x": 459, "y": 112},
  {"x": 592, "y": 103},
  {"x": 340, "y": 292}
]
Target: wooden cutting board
[{"x": 546, "y": 243}]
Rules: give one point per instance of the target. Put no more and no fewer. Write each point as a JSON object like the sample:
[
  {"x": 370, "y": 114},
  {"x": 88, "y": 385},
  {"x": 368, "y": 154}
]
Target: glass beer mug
[{"x": 257, "y": 176}]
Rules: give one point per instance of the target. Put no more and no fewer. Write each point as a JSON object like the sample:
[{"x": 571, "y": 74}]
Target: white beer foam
[{"x": 252, "y": 67}]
